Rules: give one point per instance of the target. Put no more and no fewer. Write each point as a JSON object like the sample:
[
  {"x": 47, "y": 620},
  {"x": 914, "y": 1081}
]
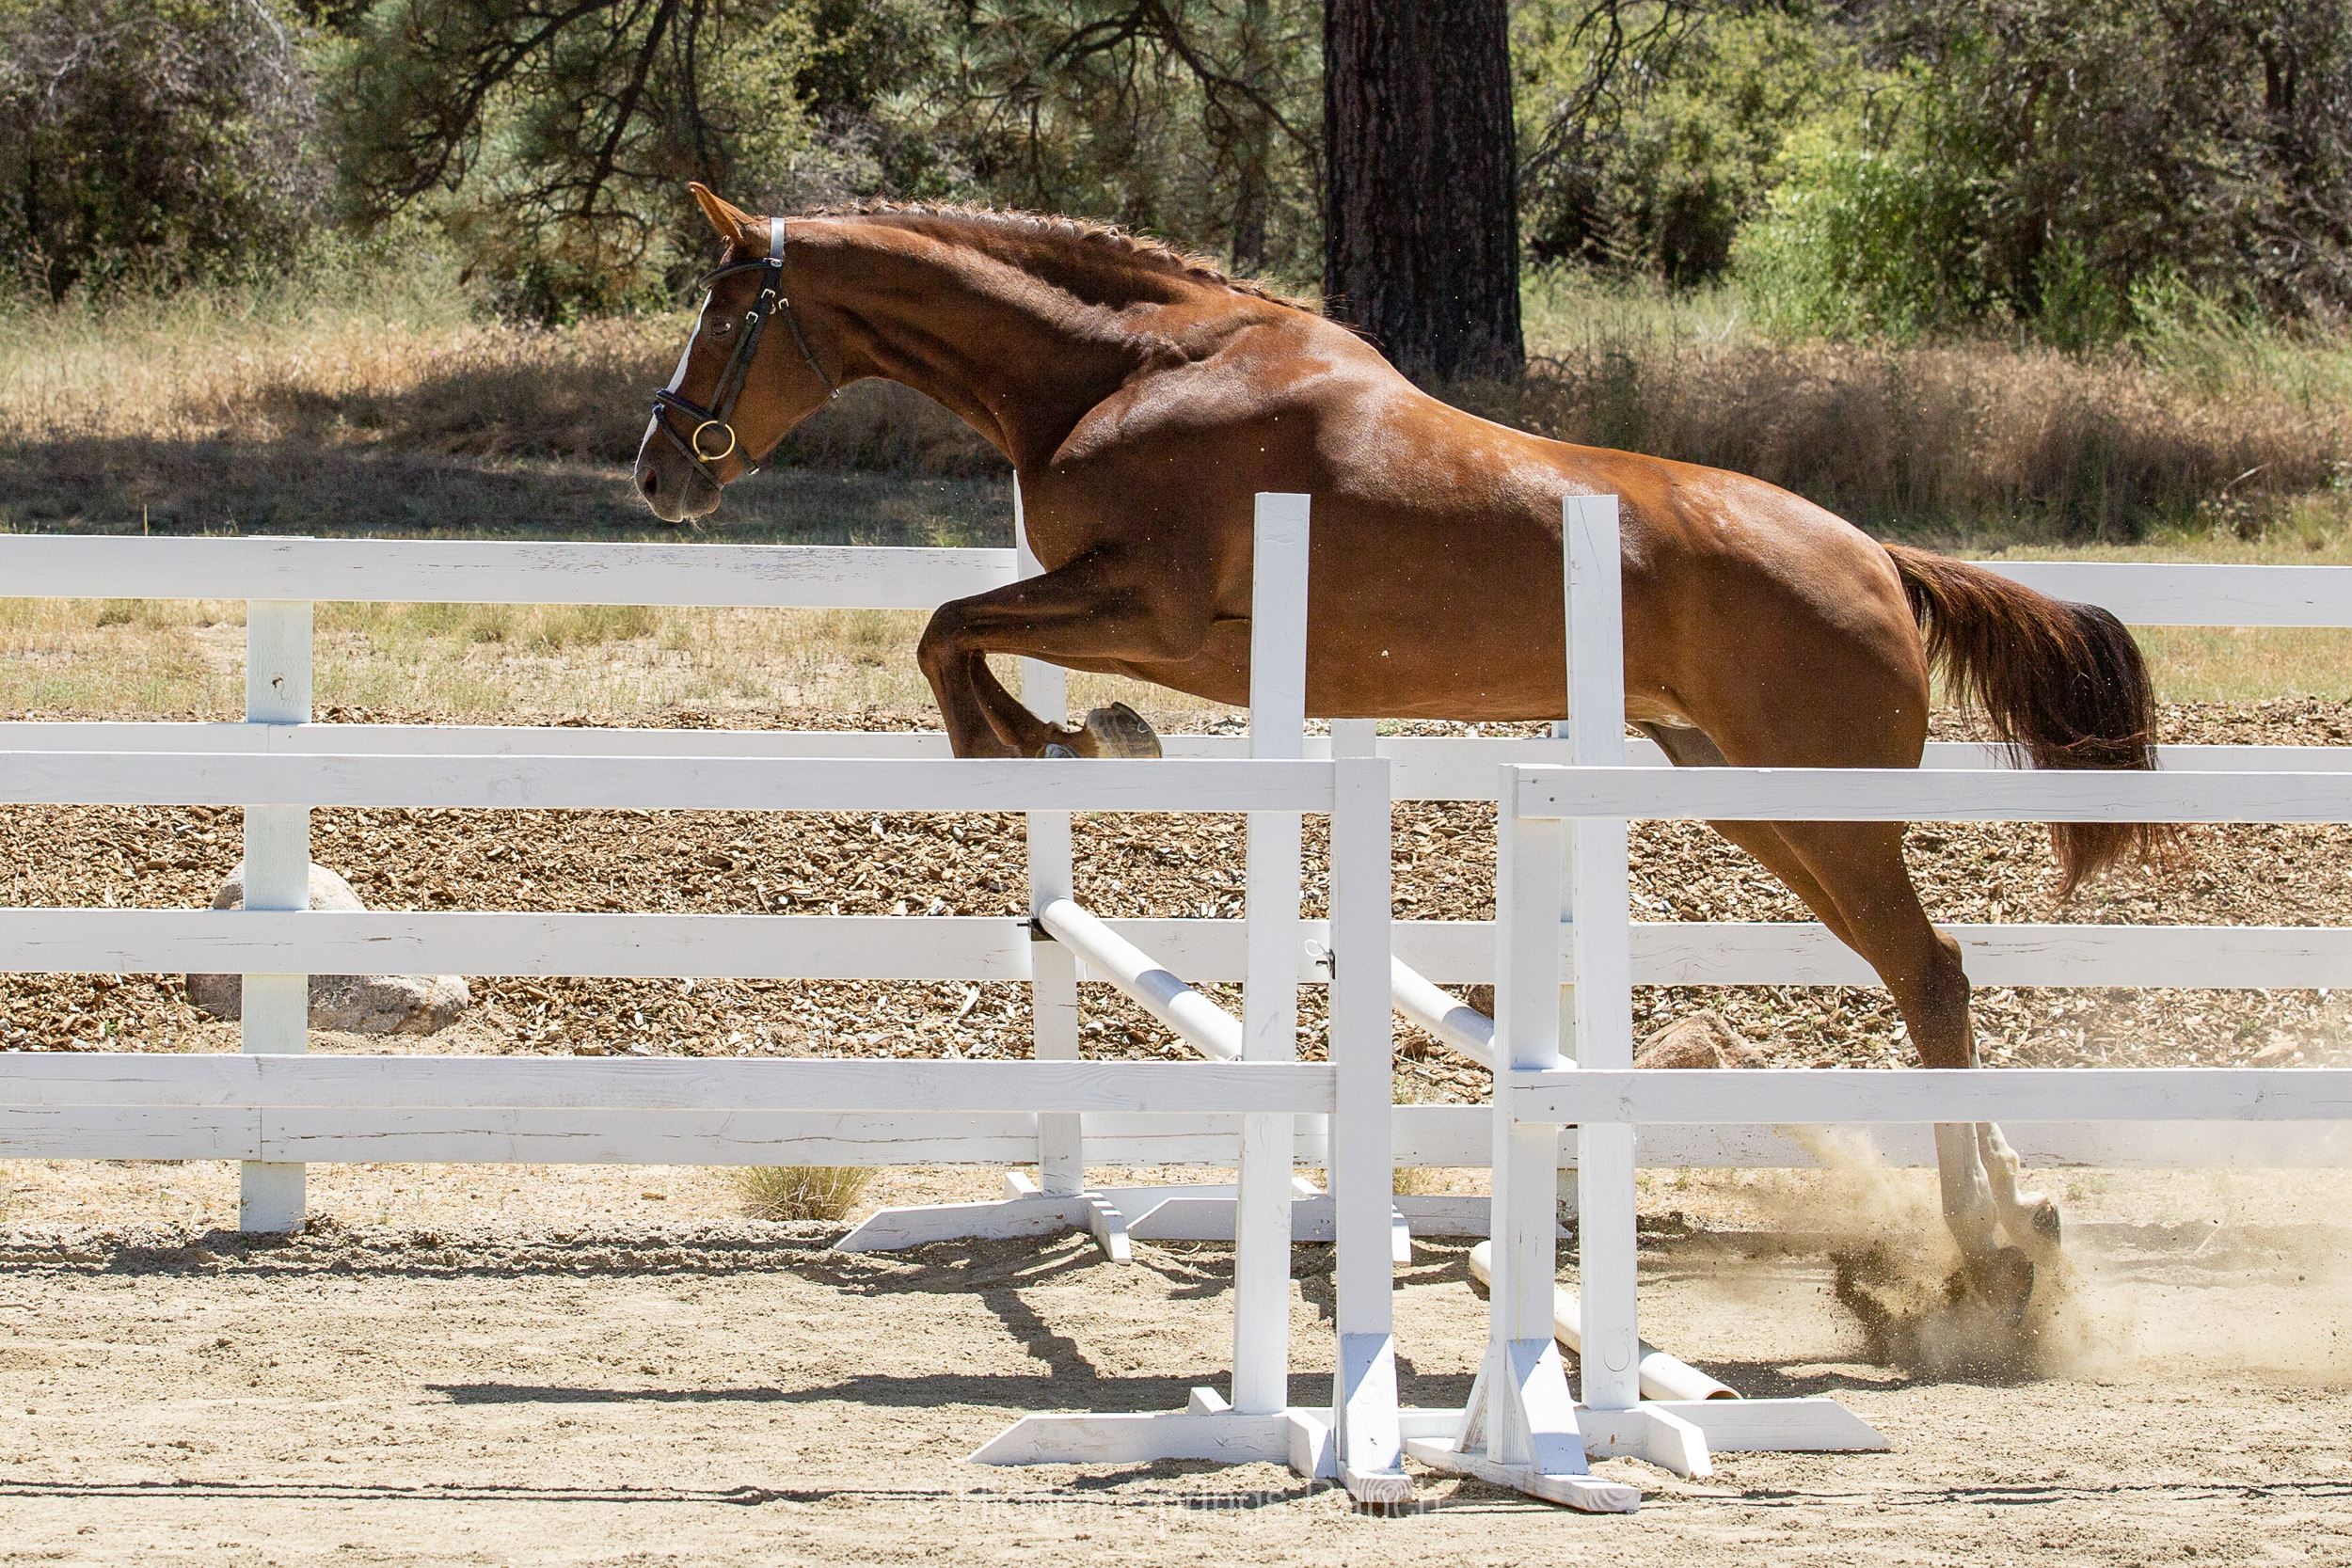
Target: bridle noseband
[{"x": 721, "y": 413}]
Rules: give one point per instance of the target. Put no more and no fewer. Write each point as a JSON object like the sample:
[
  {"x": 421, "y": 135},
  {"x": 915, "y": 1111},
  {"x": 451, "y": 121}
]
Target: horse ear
[{"x": 734, "y": 225}]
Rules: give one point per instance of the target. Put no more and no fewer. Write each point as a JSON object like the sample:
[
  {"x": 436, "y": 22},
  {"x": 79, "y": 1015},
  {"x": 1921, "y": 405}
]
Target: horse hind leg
[
  {"x": 1853, "y": 877},
  {"x": 1969, "y": 1210},
  {"x": 1860, "y": 866}
]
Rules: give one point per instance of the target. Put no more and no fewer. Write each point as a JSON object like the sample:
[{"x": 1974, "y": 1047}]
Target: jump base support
[{"x": 1682, "y": 1436}]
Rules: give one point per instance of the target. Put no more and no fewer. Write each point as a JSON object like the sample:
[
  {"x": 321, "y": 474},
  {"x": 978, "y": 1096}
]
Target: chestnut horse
[{"x": 1144, "y": 399}]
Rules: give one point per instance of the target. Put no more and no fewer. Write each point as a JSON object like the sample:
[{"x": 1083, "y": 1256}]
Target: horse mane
[{"x": 1155, "y": 255}]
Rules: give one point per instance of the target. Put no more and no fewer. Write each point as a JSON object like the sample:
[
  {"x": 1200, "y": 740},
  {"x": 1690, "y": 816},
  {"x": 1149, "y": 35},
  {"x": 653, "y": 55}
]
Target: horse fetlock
[{"x": 2031, "y": 1219}]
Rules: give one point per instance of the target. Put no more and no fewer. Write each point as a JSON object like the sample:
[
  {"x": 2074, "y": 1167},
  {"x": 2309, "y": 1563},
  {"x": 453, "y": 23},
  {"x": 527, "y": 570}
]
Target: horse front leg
[
  {"x": 1101, "y": 607},
  {"x": 955, "y": 684},
  {"x": 1113, "y": 731}
]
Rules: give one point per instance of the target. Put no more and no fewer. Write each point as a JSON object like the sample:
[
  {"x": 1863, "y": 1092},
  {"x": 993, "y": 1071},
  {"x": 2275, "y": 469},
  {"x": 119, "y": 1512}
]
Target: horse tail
[{"x": 2062, "y": 683}]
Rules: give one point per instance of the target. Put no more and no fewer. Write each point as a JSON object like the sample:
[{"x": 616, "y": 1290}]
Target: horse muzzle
[{"x": 675, "y": 489}]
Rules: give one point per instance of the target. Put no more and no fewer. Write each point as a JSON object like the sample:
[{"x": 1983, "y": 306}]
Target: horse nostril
[{"x": 650, "y": 483}]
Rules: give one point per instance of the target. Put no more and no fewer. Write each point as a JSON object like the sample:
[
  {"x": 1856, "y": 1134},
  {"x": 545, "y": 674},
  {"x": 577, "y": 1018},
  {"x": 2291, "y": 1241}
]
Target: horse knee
[{"x": 942, "y": 646}]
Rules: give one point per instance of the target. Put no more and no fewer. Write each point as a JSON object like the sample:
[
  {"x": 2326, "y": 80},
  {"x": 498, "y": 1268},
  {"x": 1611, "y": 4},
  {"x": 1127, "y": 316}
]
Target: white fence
[
  {"x": 363, "y": 763},
  {"x": 276, "y": 1109},
  {"x": 1563, "y": 850}
]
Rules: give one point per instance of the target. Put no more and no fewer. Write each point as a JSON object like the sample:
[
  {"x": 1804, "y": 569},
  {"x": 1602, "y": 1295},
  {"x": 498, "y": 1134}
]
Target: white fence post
[
  {"x": 1263, "y": 1190},
  {"x": 1529, "y": 890},
  {"x": 276, "y": 1009},
  {"x": 1362, "y": 1169},
  {"x": 1602, "y": 1001},
  {"x": 1053, "y": 968}
]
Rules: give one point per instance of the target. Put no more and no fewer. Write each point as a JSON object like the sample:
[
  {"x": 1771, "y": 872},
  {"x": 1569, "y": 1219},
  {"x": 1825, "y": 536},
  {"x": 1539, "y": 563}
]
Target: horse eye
[{"x": 722, "y": 329}]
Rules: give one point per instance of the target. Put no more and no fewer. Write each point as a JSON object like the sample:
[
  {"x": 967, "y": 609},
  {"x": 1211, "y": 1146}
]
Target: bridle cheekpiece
[{"x": 721, "y": 413}]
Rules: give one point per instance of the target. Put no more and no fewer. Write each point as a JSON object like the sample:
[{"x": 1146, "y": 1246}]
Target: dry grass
[
  {"x": 389, "y": 404},
  {"x": 415, "y": 374},
  {"x": 389, "y": 408},
  {"x": 1980, "y": 440},
  {"x": 382, "y": 406},
  {"x": 1976, "y": 440},
  {"x": 475, "y": 663},
  {"x": 2231, "y": 664},
  {"x": 801, "y": 1192}
]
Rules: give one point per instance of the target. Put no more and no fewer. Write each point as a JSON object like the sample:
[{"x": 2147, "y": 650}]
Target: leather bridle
[{"x": 721, "y": 413}]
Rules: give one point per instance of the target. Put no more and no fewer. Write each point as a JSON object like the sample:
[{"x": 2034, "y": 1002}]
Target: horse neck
[{"x": 1018, "y": 358}]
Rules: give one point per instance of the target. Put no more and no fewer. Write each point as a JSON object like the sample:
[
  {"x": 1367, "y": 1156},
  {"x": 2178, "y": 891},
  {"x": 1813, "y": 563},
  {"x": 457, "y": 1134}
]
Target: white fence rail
[
  {"x": 1924, "y": 795},
  {"x": 2187, "y": 594},
  {"x": 420, "y": 571},
  {"x": 265, "y": 1083},
  {"x": 665, "y": 783},
  {"x": 1426, "y": 767},
  {"x": 870, "y": 577}
]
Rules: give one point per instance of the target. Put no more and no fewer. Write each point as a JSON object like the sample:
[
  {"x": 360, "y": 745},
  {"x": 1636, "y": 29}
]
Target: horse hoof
[
  {"x": 2042, "y": 1219},
  {"x": 2002, "y": 1280},
  {"x": 1120, "y": 731},
  {"x": 1054, "y": 749}
]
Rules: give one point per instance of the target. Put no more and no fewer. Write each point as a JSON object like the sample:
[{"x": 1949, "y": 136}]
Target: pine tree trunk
[
  {"x": 1421, "y": 226},
  {"x": 1253, "y": 191}
]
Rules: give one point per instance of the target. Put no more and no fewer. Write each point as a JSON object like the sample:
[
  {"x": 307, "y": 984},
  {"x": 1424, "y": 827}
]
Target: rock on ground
[
  {"x": 358, "y": 1004},
  {"x": 1699, "y": 1039}
]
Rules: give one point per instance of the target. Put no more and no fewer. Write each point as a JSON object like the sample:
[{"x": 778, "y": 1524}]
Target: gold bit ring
[{"x": 696, "y": 440}]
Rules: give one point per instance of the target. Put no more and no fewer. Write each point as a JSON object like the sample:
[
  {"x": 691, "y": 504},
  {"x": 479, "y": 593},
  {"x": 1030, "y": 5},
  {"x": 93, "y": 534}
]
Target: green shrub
[
  {"x": 155, "y": 141},
  {"x": 1854, "y": 241}
]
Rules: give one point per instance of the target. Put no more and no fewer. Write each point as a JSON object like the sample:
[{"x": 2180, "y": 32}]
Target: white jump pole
[
  {"x": 1053, "y": 968},
  {"x": 1277, "y": 729},
  {"x": 1447, "y": 1016},
  {"x": 1200, "y": 1023},
  {"x": 274, "y": 1009}
]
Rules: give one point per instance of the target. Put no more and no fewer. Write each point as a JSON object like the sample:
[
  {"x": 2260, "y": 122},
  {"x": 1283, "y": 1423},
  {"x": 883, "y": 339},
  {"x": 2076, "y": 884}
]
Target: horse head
[{"x": 740, "y": 386}]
